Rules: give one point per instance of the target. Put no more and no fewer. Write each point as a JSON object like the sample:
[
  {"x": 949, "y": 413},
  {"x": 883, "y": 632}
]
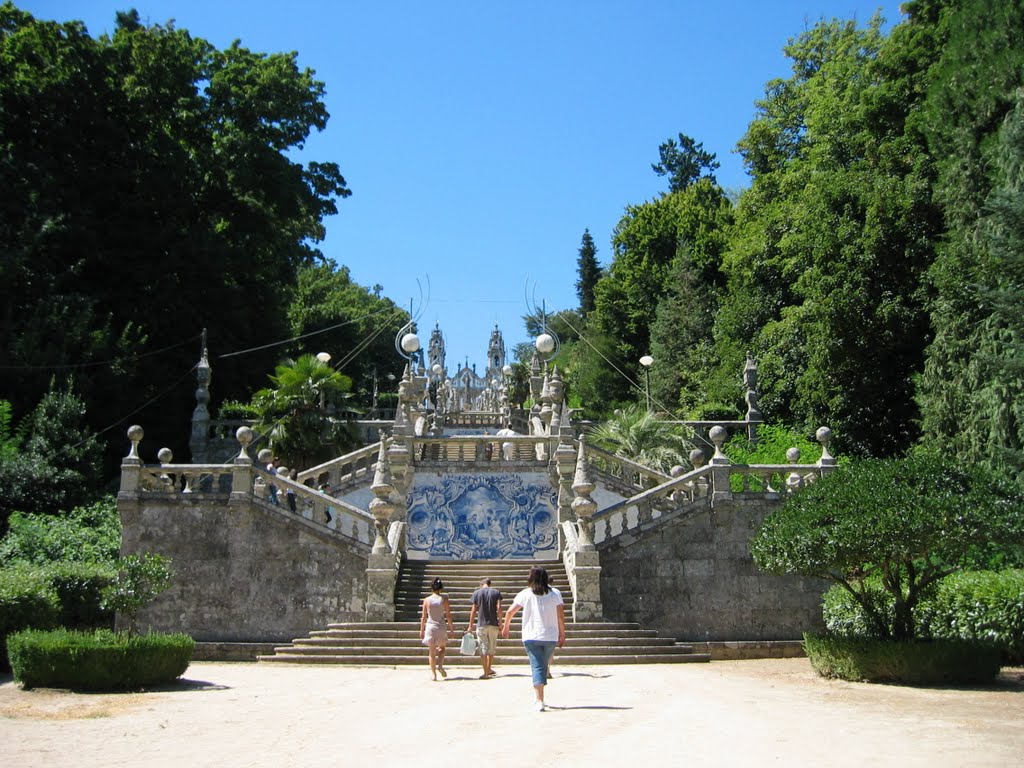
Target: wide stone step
[
  {"x": 413, "y": 641},
  {"x": 455, "y": 660},
  {"x": 505, "y": 651}
]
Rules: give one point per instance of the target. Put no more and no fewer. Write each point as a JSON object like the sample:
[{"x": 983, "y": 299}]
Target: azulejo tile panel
[{"x": 482, "y": 517}]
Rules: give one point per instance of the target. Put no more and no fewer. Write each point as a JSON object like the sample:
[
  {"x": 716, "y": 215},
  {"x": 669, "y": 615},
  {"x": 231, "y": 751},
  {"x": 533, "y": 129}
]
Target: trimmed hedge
[
  {"x": 27, "y": 599},
  {"x": 970, "y": 605},
  {"x": 97, "y": 661},
  {"x": 59, "y": 594},
  {"x": 921, "y": 662}
]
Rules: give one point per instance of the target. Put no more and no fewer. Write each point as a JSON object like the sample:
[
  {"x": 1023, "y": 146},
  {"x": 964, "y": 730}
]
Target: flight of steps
[{"x": 398, "y": 642}]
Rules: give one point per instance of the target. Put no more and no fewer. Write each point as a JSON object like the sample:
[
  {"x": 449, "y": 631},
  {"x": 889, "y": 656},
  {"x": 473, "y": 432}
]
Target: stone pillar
[
  {"x": 754, "y": 416},
  {"x": 199, "y": 441},
  {"x": 242, "y": 474},
  {"x": 585, "y": 563},
  {"x": 131, "y": 465},
  {"x": 721, "y": 490},
  {"x": 382, "y": 565},
  {"x": 827, "y": 461},
  {"x": 565, "y": 462}
]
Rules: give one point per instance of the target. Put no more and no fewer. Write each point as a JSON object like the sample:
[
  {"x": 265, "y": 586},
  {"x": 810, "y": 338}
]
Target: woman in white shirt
[{"x": 543, "y": 626}]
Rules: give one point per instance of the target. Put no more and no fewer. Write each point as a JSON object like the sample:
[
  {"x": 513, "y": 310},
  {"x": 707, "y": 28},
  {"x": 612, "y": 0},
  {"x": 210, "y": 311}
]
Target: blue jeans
[{"x": 540, "y": 653}]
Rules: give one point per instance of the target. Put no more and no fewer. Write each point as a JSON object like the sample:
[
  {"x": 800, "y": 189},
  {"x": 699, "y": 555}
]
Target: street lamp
[
  {"x": 325, "y": 358},
  {"x": 646, "y": 362}
]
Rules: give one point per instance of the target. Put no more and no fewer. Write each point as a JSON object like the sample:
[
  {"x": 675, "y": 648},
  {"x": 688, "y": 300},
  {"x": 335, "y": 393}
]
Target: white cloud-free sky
[{"x": 480, "y": 139}]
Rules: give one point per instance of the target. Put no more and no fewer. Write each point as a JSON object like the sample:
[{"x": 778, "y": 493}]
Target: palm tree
[
  {"x": 637, "y": 434},
  {"x": 294, "y": 413}
]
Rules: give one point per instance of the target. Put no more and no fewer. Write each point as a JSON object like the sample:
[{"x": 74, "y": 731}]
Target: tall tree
[
  {"x": 826, "y": 263},
  {"x": 588, "y": 272},
  {"x": 685, "y": 162},
  {"x": 975, "y": 87},
  {"x": 151, "y": 193}
]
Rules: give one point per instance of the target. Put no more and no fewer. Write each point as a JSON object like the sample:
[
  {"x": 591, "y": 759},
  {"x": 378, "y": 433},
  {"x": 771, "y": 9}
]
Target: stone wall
[
  {"x": 243, "y": 571},
  {"x": 693, "y": 578}
]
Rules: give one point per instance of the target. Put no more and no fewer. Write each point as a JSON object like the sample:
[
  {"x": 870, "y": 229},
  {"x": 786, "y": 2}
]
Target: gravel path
[{"x": 725, "y": 713}]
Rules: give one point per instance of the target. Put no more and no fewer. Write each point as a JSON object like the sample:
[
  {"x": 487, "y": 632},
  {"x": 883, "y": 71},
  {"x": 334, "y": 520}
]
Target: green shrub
[
  {"x": 914, "y": 662},
  {"x": 979, "y": 605},
  {"x": 139, "y": 579},
  {"x": 97, "y": 661},
  {"x": 89, "y": 533},
  {"x": 27, "y": 599},
  {"x": 969, "y": 605},
  {"x": 79, "y": 588}
]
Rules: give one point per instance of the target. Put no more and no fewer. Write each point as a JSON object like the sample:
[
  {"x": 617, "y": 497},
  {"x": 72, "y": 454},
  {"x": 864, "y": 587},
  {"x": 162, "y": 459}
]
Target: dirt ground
[{"x": 725, "y": 713}]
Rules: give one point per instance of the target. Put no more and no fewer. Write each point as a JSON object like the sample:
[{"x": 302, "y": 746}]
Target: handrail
[{"x": 652, "y": 493}]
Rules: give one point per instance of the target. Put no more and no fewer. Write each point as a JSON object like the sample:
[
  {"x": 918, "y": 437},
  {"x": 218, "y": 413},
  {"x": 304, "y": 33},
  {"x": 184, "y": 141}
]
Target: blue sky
[{"x": 480, "y": 139}]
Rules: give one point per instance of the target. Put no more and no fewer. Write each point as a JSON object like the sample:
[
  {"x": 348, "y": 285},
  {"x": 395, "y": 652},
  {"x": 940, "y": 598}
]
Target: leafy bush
[
  {"x": 88, "y": 533},
  {"x": 139, "y": 579},
  {"x": 970, "y": 605},
  {"x": 921, "y": 662},
  {"x": 27, "y": 599},
  {"x": 773, "y": 440},
  {"x": 233, "y": 409},
  {"x": 79, "y": 588},
  {"x": 980, "y": 605},
  {"x": 910, "y": 522},
  {"x": 97, "y": 661}
]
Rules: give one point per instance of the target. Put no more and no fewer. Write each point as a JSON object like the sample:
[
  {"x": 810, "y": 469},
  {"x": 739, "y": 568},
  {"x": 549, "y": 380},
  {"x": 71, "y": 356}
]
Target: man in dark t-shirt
[{"x": 486, "y": 611}]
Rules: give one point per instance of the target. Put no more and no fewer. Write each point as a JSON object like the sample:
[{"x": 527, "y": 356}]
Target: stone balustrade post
[
  {"x": 131, "y": 465},
  {"x": 241, "y": 472},
  {"x": 382, "y": 566},
  {"x": 721, "y": 490},
  {"x": 794, "y": 481},
  {"x": 827, "y": 463}
]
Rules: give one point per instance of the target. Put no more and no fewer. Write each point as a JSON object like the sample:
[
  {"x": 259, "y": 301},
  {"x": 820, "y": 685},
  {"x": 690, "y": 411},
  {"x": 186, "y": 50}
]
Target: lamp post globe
[
  {"x": 410, "y": 343},
  {"x": 545, "y": 343},
  {"x": 323, "y": 357},
  {"x": 646, "y": 361}
]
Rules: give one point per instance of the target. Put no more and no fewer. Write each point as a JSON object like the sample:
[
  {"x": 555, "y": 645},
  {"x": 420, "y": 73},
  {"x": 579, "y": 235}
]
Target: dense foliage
[
  {"x": 969, "y": 605},
  {"x": 150, "y": 191},
  {"x": 906, "y": 523}
]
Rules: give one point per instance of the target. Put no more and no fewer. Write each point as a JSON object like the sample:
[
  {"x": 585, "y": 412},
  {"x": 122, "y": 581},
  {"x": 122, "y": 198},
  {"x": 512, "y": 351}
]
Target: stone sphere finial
[
  {"x": 135, "y": 434},
  {"x": 265, "y": 456},
  {"x": 824, "y": 436},
  {"x": 697, "y": 458},
  {"x": 718, "y": 435},
  {"x": 244, "y": 437},
  {"x": 165, "y": 455},
  {"x": 793, "y": 455}
]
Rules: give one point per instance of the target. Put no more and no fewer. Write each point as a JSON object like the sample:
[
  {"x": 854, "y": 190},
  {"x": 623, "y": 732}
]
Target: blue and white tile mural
[{"x": 482, "y": 517}]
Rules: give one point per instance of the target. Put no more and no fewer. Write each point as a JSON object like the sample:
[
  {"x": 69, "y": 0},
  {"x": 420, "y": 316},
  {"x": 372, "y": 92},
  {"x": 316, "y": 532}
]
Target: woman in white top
[{"x": 543, "y": 626}]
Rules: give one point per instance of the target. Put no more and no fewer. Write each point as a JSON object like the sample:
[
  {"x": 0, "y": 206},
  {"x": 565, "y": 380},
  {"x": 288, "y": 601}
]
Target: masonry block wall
[
  {"x": 693, "y": 578},
  {"x": 244, "y": 572}
]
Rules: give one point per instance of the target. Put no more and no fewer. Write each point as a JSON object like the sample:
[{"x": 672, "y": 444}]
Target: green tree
[
  {"x": 139, "y": 579},
  {"x": 908, "y": 522},
  {"x": 966, "y": 392},
  {"x": 637, "y": 434},
  {"x": 685, "y": 162},
  {"x": 87, "y": 534},
  {"x": 588, "y": 272},
  {"x": 296, "y": 413},
  {"x": 150, "y": 191},
  {"x": 826, "y": 262},
  {"x": 331, "y": 313}
]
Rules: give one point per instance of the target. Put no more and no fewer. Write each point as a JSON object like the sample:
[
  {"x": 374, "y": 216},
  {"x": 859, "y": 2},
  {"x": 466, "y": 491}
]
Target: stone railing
[
  {"x": 346, "y": 519},
  {"x": 480, "y": 449},
  {"x": 627, "y": 475},
  {"x": 717, "y": 481},
  {"x": 344, "y": 471},
  {"x": 239, "y": 480}
]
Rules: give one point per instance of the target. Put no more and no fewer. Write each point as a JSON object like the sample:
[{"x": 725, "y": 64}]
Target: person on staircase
[
  {"x": 437, "y": 611},
  {"x": 543, "y": 626},
  {"x": 486, "y": 611}
]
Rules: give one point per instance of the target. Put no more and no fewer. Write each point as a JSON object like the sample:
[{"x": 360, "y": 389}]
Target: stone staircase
[{"x": 398, "y": 643}]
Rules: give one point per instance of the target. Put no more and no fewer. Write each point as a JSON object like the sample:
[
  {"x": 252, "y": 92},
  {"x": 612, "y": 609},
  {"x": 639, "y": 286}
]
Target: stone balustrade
[
  {"x": 343, "y": 472},
  {"x": 476, "y": 449}
]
